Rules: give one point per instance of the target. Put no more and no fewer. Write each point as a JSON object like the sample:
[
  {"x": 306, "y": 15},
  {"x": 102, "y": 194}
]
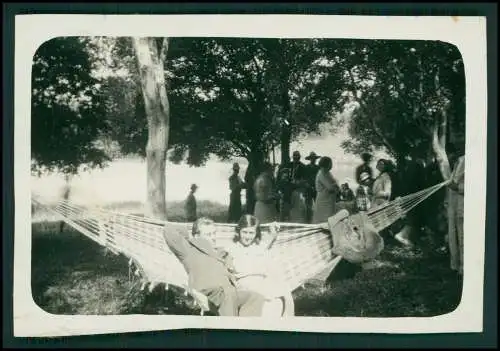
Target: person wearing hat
[
  {"x": 456, "y": 215},
  {"x": 327, "y": 190},
  {"x": 235, "y": 185},
  {"x": 190, "y": 205},
  {"x": 311, "y": 170},
  {"x": 364, "y": 173}
]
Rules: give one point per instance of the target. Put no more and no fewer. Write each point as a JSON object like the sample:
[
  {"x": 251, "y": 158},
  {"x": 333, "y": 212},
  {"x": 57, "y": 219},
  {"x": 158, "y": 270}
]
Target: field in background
[{"x": 73, "y": 275}]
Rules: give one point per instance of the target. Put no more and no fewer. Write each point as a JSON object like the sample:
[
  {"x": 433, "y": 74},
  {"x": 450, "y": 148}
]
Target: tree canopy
[
  {"x": 67, "y": 108},
  {"x": 411, "y": 85},
  {"x": 236, "y": 97}
]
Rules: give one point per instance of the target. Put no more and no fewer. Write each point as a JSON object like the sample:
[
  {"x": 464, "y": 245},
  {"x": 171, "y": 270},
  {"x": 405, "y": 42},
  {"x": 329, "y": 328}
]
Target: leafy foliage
[
  {"x": 228, "y": 95},
  {"x": 67, "y": 108},
  {"x": 411, "y": 83}
]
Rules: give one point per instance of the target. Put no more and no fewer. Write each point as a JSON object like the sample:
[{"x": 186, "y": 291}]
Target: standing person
[
  {"x": 364, "y": 173},
  {"x": 456, "y": 216},
  {"x": 250, "y": 177},
  {"x": 298, "y": 170},
  {"x": 265, "y": 194},
  {"x": 327, "y": 192},
  {"x": 66, "y": 193},
  {"x": 235, "y": 185},
  {"x": 211, "y": 272},
  {"x": 382, "y": 186},
  {"x": 311, "y": 170},
  {"x": 190, "y": 205}
]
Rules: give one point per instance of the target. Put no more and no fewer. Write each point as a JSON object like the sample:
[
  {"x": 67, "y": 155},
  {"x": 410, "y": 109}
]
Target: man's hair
[
  {"x": 248, "y": 221},
  {"x": 200, "y": 222}
]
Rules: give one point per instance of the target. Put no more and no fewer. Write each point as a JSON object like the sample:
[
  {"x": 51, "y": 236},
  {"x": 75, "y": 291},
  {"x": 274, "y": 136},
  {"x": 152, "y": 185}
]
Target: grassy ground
[{"x": 73, "y": 275}]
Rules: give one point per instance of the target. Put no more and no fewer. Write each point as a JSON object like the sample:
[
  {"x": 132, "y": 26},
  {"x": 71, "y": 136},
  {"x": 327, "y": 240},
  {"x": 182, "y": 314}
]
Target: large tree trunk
[
  {"x": 439, "y": 149},
  {"x": 439, "y": 135},
  {"x": 150, "y": 61}
]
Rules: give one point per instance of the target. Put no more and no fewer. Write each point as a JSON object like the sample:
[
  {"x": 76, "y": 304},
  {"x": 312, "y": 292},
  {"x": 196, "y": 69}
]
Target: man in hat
[
  {"x": 190, "y": 205},
  {"x": 235, "y": 185},
  {"x": 311, "y": 170}
]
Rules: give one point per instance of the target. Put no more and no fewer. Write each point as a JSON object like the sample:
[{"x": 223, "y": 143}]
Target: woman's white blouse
[{"x": 259, "y": 272}]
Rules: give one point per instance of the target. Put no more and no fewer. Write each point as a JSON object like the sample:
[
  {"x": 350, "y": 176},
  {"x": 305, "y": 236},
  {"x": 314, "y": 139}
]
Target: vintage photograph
[{"x": 237, "y": 176}]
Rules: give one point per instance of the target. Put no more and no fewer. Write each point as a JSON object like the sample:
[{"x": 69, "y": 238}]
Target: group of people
[
  {"x": 301, "y": 193},
  {"x": 234, "y": 284}
]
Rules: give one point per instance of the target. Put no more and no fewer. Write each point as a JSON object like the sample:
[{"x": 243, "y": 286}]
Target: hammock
[{"x": 300, "y": 251}]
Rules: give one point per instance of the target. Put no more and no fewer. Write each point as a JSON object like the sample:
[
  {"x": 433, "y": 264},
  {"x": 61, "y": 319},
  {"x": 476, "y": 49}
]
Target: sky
[{"x": 124, "y": 180}]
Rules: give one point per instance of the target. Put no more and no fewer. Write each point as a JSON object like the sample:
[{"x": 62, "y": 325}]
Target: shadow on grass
[
  {"x": 73, "y": 275},
  {"x": 402, "y": 283}
]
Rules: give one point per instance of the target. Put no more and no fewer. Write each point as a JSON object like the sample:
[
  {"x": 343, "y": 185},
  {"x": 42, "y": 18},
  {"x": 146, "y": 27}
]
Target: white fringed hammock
[{"x": 300, "y": 251}]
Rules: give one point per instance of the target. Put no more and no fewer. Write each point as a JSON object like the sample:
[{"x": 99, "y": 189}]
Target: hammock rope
[{"x": 300, "y": 251}]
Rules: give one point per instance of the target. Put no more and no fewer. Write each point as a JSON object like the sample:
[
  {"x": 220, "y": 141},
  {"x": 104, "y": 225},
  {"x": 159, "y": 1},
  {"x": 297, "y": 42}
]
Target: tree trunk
[
  {"x": 286, "y": 128},
  {"x": 150, "y": 62},
  {"x": 439, "y": 134},
  {"x": 439, "y": 148}
]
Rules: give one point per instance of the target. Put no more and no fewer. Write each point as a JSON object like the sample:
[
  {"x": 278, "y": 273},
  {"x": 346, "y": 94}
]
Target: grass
[{"x": 73, "y": 275}]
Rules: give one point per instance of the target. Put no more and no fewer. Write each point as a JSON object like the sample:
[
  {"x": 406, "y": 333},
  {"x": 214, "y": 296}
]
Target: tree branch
[{"x": 164, "y": 49}]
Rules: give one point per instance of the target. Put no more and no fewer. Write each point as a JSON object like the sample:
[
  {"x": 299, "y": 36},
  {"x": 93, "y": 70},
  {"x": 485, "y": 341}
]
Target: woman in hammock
[{"x": 255, "y": 271}]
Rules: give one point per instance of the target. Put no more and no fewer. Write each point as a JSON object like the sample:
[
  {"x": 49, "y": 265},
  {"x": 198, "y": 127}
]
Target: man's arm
[{"x": 176, "y": 242}]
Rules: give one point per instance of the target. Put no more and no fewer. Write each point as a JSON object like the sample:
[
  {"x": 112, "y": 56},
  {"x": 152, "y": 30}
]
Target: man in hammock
[{"x": 211, "y": 271}]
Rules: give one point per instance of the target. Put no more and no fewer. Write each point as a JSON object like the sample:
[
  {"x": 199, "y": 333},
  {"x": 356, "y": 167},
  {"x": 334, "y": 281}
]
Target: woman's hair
[
  {"x": 325, "y": 162},
  {"x": 384, "y": 164},
  {"x": 365, "y": 156},
  {"x": 248, "y": 221},
  {"x": 199, "y": 223}
]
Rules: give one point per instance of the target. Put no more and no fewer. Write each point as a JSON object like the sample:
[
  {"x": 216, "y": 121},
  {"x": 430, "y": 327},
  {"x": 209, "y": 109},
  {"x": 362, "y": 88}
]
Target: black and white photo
[{"x": 311, "y": 172}]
